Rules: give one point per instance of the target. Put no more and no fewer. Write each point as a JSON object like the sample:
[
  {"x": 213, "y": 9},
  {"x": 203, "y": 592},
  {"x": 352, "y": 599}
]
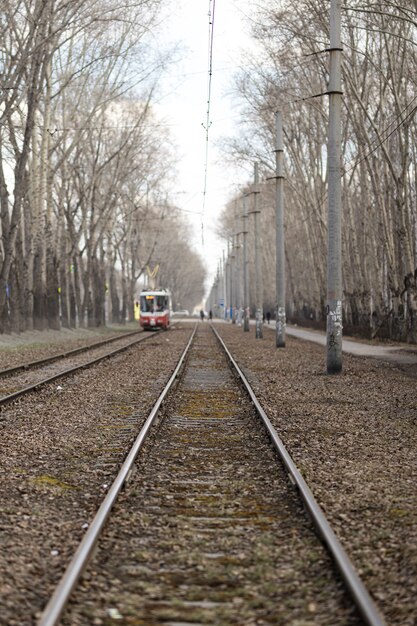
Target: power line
[
  {"x": 380, "y": 142},
  {"x": 384, "y": 139}
]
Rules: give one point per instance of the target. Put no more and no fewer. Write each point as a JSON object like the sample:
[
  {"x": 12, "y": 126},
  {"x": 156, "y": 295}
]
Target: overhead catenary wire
[
  {"x": 384, "y": 139},
  {"x": 379, "y": 144},
  {"x": 402, "y": 117},
  {"x": 381, "y": 141},
  {"x": 211, "y": 12}
]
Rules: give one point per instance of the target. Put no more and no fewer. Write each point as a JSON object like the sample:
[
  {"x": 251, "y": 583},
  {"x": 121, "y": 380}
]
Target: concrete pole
[
  {"x": 334, "y": 260},
  {"x": 224, "y": 287},
  {"x": 219, "y": 290},
  {"x": 258, "y": 257},
  {"x": 238, "y": 268},
  {"x": 279, "y": 218},
  {"x": 227, "y": 284},
  {"x": 233, "y": 279},
  {"x": 230, "y": 272},
  {"x": 213, "y": 301},
  {"x": 245, "y": 266}
]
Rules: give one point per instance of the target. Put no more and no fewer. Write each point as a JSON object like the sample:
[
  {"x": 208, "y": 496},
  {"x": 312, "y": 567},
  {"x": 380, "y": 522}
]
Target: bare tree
[
  {"x": 379, "y": 182},
  {"x": 72, "y": 142}
]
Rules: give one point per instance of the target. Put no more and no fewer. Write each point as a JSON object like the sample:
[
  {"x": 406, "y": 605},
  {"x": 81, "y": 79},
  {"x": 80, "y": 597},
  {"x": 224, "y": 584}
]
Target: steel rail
[
  {"x": 70, "y": 370},
  {"x": 54, "y": 608},
  {"x": 50, "y": 359},
  {"x": 362, "y": 599}
]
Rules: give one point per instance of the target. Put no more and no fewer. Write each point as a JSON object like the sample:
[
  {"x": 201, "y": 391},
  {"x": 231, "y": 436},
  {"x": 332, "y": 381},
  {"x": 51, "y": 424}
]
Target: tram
[{"x": 155, "y": 309}]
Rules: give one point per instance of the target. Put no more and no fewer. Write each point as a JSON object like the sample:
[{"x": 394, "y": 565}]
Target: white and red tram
[{"x": 155, "y": 308}]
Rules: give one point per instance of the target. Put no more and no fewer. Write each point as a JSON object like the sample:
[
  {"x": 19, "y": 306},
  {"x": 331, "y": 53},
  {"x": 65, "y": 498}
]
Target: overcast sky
[{"x": 183, "y": 105}]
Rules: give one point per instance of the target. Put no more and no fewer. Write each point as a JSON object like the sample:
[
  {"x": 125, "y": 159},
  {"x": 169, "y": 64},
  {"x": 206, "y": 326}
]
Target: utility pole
[
  {"x": 214, "y": 298},
  {"x": 245, "y": 266},
  {"x": 238, "y": 268},
  {"x": 334, "y": 226},
  {"x": 216, "y": 307},
  {"x": 258, "y": 257},
  {"x": 224, "y": 287},
  {"x": 279, "y": 233},
  {"x": 233, "y": 277},
  {"x": 228, "y": 287}
]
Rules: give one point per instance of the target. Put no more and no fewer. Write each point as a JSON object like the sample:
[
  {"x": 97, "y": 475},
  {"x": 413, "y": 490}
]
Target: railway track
[
  {"x": 209, "y": 528},
  {"x": 61, "y": 355},
  {"x": 21, "y": 379}
]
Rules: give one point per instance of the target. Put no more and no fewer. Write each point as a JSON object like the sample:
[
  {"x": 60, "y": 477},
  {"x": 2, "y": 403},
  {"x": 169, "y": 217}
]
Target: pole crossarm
[{"x": 319, "y": 95}]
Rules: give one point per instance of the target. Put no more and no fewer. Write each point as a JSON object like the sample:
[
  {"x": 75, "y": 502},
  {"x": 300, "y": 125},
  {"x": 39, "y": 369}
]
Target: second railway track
[
  {"x": 21, "y": 379},
  {"x": 209, "y": 529}
]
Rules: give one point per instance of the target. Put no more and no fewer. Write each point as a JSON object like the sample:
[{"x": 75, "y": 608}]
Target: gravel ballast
[
  {"x": 209, "y": 530},
  {"x": 352, "y": 436},
  {"x": 28, "y": 346},
  {"x": 60, "y": 449}
]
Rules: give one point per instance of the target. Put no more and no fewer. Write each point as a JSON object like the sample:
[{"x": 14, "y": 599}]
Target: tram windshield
[{"x": 153, "y": 304}]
